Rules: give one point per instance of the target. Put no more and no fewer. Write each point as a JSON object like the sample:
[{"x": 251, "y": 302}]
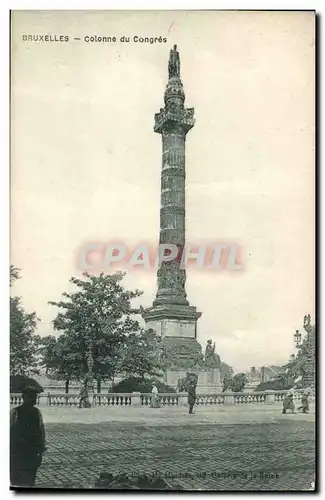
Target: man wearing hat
[{"x": 27, "y": 440}]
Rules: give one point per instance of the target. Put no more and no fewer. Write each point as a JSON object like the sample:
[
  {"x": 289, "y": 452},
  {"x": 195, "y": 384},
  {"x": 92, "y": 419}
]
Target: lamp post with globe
[{"x": 297, "y": 338}]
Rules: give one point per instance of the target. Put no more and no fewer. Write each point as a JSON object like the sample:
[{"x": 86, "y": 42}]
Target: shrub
[
  {"x": 275, "y": 385},
  {"x": 139, "y": 384}
]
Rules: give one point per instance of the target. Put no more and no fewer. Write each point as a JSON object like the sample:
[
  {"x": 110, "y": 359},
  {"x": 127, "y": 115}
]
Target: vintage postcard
[{"x": 162, "y": 278}]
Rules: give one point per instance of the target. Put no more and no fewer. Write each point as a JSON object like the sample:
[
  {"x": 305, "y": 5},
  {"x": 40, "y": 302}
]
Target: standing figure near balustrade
[
  {"x": 191, "y": 398},
  {"x": 191, "y": 383},
  {"x": 154, "y": 398},
  {"x": 84, "y": 396}
]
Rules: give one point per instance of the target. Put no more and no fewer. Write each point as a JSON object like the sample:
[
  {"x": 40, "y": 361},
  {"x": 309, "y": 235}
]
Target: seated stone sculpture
[{"x": 211, "y": 358}]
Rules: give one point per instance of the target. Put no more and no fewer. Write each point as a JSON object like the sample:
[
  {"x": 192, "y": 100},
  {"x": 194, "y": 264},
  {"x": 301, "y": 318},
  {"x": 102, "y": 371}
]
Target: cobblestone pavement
[{"x": 212, "y": 450}]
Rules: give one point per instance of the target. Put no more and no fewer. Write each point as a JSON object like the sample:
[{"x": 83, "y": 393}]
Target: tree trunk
[
  {"x": 99, "y": 383},
  {"x": 67, "y": 386}
]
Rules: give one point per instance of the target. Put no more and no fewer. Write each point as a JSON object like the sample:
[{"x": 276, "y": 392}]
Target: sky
[{"x": 86, "y": 164}]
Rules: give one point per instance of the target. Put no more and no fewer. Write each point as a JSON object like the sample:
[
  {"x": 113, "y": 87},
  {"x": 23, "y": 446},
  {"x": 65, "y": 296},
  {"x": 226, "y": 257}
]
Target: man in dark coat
[
  {"x": 27, "y": 440},
  {"x": 191, "y": 397},
  {"x": 84, "y": 396},
  {"x": 191, "y": 382}
]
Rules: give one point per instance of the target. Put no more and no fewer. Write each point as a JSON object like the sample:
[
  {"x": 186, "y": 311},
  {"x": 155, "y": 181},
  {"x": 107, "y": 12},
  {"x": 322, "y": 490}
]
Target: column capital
[{"x": 178, "y": 121}]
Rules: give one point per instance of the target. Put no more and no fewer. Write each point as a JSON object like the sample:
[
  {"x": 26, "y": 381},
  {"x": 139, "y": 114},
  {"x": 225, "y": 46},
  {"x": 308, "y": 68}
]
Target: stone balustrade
[
  {"x": 248, "y": 398},
  {"x": 112, "y": 399},
  {"x": 17, "y": 399},
  {"x": 62, "y": 399},
  {"x": 165, "y": 399},
  {"x": 214, "y": 399}
]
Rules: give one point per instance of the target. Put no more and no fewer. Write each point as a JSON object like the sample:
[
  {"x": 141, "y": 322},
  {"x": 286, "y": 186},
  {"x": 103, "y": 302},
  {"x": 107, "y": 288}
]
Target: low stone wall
[{"x": 166, "y": 399}]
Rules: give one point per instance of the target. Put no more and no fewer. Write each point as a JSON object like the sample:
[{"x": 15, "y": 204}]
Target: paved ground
[{"x": 218, "y": 448}]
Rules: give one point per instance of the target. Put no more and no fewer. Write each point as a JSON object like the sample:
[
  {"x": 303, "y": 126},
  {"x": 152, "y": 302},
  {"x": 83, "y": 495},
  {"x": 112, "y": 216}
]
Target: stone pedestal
[
  {"x": 173, "y": 320},
  {"x": 183, "y": 400},
  {"x": 249, "y": 388},
  {"x": 229, "y": 399},
  {"x": 177, "y": 327},
  {"x": 270, "y": 397}
]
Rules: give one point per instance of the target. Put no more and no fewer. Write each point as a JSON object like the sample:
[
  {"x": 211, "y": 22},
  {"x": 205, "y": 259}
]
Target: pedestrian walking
[{"x": 27, "y": 440}]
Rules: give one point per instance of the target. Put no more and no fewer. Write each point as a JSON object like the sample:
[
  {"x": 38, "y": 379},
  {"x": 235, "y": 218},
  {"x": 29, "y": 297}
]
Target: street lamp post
[
  {"x": 297, "y": 337},
  {"x": 90, "y": 362},
  {"x": 90, "y": 359},
  {"x": 310, "y": 339}
]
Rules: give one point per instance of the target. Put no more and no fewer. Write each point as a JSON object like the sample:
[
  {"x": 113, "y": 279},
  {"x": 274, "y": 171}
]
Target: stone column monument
[{"x": 171, "y": 315}]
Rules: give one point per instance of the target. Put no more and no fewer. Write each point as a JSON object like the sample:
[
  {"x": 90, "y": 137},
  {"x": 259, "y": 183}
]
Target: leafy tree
[
  {"x": 46, "y": 351},
  {"x": 14, "y": 274},
  {"x": 139, "y": 354},
  {"x": 225, "y": 371},
  {"x": 23, "y": 341},
  {"x": 60, "y": 359},
  {"x": 303, "y": 364},
  {"x": 96, "y": 321},
  {"x": 306, "y": 356}
]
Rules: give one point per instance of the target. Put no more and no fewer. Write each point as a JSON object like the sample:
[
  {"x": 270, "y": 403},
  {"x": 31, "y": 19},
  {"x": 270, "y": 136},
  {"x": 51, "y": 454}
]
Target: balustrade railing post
[
  {"x": 182, "y": 399},
  {"x": 270, "y": 397},
  {"x": 136, "y": 399},
  {"x": 229, "y": 399}
]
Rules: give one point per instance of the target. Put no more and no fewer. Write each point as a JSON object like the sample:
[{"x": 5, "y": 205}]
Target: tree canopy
[
  {"x": 99, "y": 333},
  {"x": 141, "y": 384},
  {"x": 139, "y": 354},
  {"x": 300, "y": 370},
  {"x": 225, "y": 370},
  {"x": 23, "y": 340}
]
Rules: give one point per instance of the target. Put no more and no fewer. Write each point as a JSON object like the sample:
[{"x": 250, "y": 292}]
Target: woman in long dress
[
  {"x": 154, "y": 397},
  {"x": 84, "y": 396}
]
